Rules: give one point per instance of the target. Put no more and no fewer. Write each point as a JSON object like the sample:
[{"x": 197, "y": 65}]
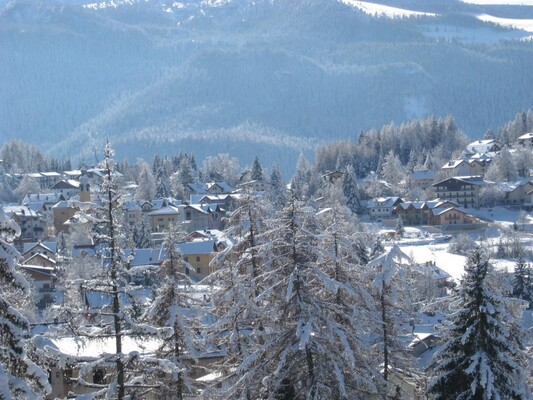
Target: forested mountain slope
[{"x": 270, "y": 77}]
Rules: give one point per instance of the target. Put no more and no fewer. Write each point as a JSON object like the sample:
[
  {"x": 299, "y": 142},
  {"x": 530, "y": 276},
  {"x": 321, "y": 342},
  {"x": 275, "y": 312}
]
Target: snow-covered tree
[
  {"x": 236, "y": 277},
  {"x": 300, "y": 180},
  {"x": 308, "y": 348},
  {"x": 351, "y": 190},
  {"x": 277, "y": 192},
  {"x": 26, "y": 186},
  {"x": 141, "y": 235},
  {"x": 490, "y": 196},
  {"x": 257, "y": 170},
  {"x": 110, "y": 299},
  {"x": 390, "y": 273},
  {"x": 146, "y": 183},
  {"x": 20, "y": 377},
  {"x": 175, "y": 307},
  {"x": 483, "y": 353},
  {"x": 523, "y": 281},
  {"x": 221, "y": 167},
  {"x": 502, "y": 168},
  {"x": 392, "y": 169}
]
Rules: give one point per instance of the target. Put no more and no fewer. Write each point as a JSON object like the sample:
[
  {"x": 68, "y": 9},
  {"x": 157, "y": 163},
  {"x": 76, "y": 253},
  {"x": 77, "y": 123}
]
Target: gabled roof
[
  {"x": 526, "y": 136},
  {"x": 484, "y": 146},
  {"x": 222, "y": 185},
  {"x": 440, "y": 211},
  {"x": 21, "y": 211},
  {"x": 48, "y": 246},
  {"x": 476, "y": 180},
  {"x": 37, "y": 256},
  {"x": 384, "y": 202},
  {"x": 66, "y": 184},
  {"x": 170, "y": 210}
]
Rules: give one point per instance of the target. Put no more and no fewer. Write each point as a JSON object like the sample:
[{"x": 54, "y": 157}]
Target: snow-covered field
[
  {"x": 514, "y": 23},
  {"x": 382, "y": 10}
]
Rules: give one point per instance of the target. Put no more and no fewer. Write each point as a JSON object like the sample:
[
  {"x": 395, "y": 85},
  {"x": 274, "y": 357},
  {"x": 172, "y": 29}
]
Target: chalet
[
  {"x": 422, "y": 179},
  {"x": 67, "y": 188},
  {"x": 193, "y": 217},
  {"x": 40, "y": 260},
  {"x": 43, "y": 280},
  {"x": 422, "y": 342},
  {"x": 199, "y": 254},
  {"x": 47, "y": 248},
  {"x": 32, "y": 224},
  {"x": 474, "y": 165},
  {"x": 526, "y": 140},
  {"x": 333, "y": 176},
  {"x": 219, "y": 188},
  {"x": 382, "y": 207},
  {"x": 485, "y": 146},
  {"x": 45, "y": 179},
  {"x": 416, "y": 213},
  {"x": 516, "y": 193},
  {"x": 451, "y": 216},
  {"x": 255, "y": 185},
  {"x": 463, "y": 190}
]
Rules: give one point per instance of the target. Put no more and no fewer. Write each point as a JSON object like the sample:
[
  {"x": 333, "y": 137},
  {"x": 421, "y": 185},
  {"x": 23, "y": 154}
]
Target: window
[
  {"x": 99, "y": 376},
  {"x": 197, "y": 258},
  {"x": 187, "y": 271},
  {"x": 186, "y": 258},
  {"x": 188, "y": 216},
  {"x": 198, "y": 270}
]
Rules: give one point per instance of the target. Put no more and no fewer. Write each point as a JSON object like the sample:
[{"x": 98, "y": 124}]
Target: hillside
[{"x": 269, "y": 77}]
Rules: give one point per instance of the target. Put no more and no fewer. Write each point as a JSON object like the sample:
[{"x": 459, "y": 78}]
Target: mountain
[{"x": 268, "y": 77}]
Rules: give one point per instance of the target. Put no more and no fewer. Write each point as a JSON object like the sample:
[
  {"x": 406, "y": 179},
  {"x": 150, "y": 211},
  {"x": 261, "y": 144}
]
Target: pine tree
[
  {"x": 277, "y": 193},
  {"x": 483, "y": 353},
  {"x": 20, "y": 377},
  {"x": 351, "y": 190},
  {"x": 146, "y": 184},
  {"x": 523, "y": 281},
  {"x": 257, "y": 170}
]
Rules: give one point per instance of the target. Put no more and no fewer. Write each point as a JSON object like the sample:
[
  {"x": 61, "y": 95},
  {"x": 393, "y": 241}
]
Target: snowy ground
[{"x": 382, "y": 10}]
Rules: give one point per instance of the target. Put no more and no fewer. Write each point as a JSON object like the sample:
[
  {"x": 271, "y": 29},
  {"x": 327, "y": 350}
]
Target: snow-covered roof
[
  {"x": 422, "y": 175},
  {"x": 21, "y": 211},
  {"x": 50, "y": 246},
  {"x": 66, "y": 184},
  {"x": 440, "y": 211},
  {"x": 197, "y": 247},
  {"x": 484, "y": 146},
  {"x": 36, "y": 256},
  {"x": 526, "y": 136},
  {"x": 169, "y": 210},
  {"x": 383, "y": 202},
  {"x": 222, "y": 185},
  {"x": 509, "y": 187}
]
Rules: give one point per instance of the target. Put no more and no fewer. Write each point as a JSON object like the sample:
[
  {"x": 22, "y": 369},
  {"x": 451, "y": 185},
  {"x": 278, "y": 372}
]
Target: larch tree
[
  {"x": 238, "y": 268},
  {"x": 146, "y": 183},
  {"x": 483, "y": 353},
  {"x": 105, "y": 307},
  {"x": 307, "y": 349},
  {"x": 175, "y": 307},
  {"x": 20, "y": 376},
  {"x": 389, "y": 273}
]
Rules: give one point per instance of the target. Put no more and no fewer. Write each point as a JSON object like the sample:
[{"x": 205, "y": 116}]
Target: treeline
[{"x": 428, "y": 142}]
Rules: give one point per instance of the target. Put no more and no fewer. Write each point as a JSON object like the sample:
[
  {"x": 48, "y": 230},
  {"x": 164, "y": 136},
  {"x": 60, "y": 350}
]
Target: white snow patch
[
  {"x": 523, "y": 24},
  {"x": 500, "y": 2},
  {"x": 385, "y": 11}
]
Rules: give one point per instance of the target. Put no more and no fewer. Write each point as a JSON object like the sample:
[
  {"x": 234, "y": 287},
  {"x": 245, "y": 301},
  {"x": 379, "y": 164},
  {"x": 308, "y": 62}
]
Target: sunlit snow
[
  {"x": 523, "y": 24},
  {"x": 386, "y": 11},
  {"x": 500, "y": 2}
]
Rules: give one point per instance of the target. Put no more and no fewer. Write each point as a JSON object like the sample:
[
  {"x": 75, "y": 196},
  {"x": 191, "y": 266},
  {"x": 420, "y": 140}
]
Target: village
[{"x": 458, "y": 202}]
